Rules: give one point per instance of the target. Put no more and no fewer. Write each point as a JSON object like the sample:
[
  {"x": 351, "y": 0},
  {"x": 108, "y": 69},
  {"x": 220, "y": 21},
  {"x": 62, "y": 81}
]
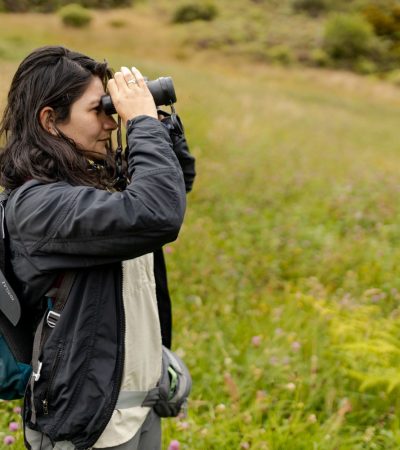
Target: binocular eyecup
[{"x": 162, "y": 90}]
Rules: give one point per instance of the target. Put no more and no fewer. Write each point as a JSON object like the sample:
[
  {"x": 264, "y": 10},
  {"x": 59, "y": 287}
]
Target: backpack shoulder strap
[
  {"x": 9, "y": 303},
  {"x": 3, "y": 201}
]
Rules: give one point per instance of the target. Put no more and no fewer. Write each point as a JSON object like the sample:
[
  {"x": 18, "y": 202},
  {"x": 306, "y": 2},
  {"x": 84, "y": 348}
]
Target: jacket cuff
[{"x": 143, "y": 119}]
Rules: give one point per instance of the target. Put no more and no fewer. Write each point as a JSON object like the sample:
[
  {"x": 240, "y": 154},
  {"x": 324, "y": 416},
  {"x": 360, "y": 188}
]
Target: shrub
[
  {"x": 75, "y": 15},
  {"x": 280, "y": 54},
  {"x": 384, "y": 19},
  {"x": 194, "y": 11},
  {"x": 311, "y": 7},
  {"x": 117, "y": 23},
  {"x": 348, "y": 37},
  {"x": 319, "y": 58}
]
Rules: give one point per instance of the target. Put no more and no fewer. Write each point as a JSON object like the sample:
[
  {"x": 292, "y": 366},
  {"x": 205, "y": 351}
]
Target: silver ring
[{"x": 133, "y": 81}]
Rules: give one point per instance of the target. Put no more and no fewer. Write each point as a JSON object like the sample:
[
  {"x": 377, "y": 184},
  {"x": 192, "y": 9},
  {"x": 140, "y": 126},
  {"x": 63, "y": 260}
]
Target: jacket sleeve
[
  {"x": 60, "y": 225},
  {"x": 180, "y": 146}
]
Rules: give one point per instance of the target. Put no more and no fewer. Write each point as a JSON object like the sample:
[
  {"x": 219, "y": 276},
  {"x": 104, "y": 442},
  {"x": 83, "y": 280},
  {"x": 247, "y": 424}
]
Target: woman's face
[{"x": 88, "y": 126}]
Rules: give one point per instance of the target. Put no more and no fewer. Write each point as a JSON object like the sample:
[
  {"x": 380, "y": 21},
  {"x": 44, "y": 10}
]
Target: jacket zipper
[
  {"x": 120, "y": 362},
  {"x": 47, "y": 397}
]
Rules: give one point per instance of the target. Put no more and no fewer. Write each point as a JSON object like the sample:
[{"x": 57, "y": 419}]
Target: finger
[
  {"x": 112, "y": 87},
  {"x": 130, "y": 78},
  {"x": 139, "y": 77},
  {"x": 120, "y": 81}
]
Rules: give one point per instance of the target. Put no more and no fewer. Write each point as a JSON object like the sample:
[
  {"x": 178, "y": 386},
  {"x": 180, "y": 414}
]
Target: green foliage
[
  {"x": 75, "y": 15},
  {"x": 311, "y": 7},
  {"x": 348, "y": 37},
  {"x": 117, "y": 23},
  {"x": 385, "y": 20},
  {"x": 193, "y": 11},
  {"x": 281, "y": 54}
]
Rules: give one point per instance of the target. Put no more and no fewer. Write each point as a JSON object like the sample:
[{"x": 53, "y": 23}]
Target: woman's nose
[{"x": 110, "y": 123}]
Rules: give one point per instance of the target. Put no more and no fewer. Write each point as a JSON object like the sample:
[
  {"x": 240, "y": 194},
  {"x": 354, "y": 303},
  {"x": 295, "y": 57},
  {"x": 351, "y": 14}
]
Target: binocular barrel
[{"x": 162, "y": 90}]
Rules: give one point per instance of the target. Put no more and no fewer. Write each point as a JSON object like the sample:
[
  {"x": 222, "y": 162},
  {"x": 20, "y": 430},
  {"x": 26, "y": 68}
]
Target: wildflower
[
  {"x": 257, "y": 372},
  {"x": 174, "y": 445},
  {"x": 312, "y": 418},
  {"x": 13, "y": 426},
  {"x": 17, "y": 410},
  {"x": 220, "y": 408},
  {"x": 245, "y": 445},
  {"x": 9, "y": 440},
  {"x": 260, "y": 395},
  {"x": 168, "y": 249},
  {"x": 278, "y": 332},
  {"x": 183, "y": 425},
  {"x": 228, "y": 361},
  {"x": 256, "y": 341},
  {"x": 247, "y": 418},
  {"x": 274, "y": 361},
  {"x": 231, "y": 387},
  {"x": 296, "y": 346},
  {"x": 290, "y": 386}
]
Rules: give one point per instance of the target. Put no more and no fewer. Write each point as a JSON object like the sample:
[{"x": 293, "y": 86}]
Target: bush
[
  {"x": 348, "y": 37},
  {"x": 194, "y": 11},
  {"x": 280, "y": 54},
  {"x": 319, "y": 58},
  {"x": 75, "y": 15},
  {"x": 117, "y": 23},
  {"x": 311, "y": 7},
  {"x": 385, "y": 20}
]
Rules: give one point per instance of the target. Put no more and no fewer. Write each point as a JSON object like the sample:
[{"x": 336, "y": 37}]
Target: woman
[{"x": 67, "y": 213}]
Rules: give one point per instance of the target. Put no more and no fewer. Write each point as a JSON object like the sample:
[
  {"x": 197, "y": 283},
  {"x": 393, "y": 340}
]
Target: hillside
[{"x": 285, "y": 275}]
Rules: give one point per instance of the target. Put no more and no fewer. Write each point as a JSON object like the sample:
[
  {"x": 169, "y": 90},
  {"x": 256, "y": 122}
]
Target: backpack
[
  {"x": 15, "y": 337},
  {"x": 20, "y": 343}
]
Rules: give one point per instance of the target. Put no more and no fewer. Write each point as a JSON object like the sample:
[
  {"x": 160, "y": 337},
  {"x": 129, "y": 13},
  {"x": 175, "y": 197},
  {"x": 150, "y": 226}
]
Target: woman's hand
[{"x": 130, "y": 95}]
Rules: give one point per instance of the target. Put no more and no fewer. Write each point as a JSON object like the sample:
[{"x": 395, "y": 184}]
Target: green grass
[{"x": 285, "y": 275}]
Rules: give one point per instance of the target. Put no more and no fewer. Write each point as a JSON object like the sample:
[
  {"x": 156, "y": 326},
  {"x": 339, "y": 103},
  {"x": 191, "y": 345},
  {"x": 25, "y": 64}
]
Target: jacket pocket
[{"x": 48, "y": 394}]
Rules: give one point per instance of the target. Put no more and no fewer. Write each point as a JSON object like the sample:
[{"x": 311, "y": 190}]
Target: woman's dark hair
[{"x": 50, "y": 76}]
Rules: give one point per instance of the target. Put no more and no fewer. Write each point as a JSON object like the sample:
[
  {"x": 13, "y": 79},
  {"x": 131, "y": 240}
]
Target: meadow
[{"x": 284, "y": 278}]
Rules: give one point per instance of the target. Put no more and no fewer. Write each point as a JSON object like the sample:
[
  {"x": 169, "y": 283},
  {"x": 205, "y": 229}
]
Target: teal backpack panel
[{"x": 14, "y": 375}]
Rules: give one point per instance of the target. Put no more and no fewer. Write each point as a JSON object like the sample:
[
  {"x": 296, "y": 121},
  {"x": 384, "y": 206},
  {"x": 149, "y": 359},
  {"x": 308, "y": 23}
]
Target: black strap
[
  {"x": 3, "y": 201},
  {"x": 63, "y": 291}
]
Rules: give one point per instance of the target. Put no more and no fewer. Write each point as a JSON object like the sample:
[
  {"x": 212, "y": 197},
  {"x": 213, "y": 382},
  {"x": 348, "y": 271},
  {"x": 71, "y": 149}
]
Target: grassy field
[{"x": 285, "y": 276}]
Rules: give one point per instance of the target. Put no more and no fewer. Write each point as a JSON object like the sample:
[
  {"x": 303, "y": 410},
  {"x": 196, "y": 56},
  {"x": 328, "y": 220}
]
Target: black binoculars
[{"x": 162, "y": 90}]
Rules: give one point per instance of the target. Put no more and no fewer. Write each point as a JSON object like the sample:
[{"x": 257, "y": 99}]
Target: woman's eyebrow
[{"x": 94, "y": 102}]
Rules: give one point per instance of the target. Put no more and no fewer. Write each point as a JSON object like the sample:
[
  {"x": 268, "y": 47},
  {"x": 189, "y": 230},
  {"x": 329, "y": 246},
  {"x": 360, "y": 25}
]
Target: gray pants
[{"x": 148, "y": 437}]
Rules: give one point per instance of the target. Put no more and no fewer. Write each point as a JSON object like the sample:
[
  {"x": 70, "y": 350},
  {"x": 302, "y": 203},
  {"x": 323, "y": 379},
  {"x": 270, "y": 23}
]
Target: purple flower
[
  {"x": 9, "y": 440},
  {"x": 183, "y": 425},
  {"x": 17, "y": 410},
  {"x": 296, "y": 346},
  {"x": 256, "y": 341},
  {"x": 174, "y": 445},
  {"x": 13, "y": 426}
]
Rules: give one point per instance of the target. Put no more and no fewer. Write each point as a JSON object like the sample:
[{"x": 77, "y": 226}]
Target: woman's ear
[{"x": 47, "y": 120}]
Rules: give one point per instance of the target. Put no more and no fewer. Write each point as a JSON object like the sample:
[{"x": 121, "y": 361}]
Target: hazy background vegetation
[{"x": 285, "y": 275}]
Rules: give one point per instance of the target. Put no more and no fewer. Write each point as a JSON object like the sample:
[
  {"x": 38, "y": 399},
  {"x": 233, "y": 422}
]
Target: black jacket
[{"x": 55, "y": 227}]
